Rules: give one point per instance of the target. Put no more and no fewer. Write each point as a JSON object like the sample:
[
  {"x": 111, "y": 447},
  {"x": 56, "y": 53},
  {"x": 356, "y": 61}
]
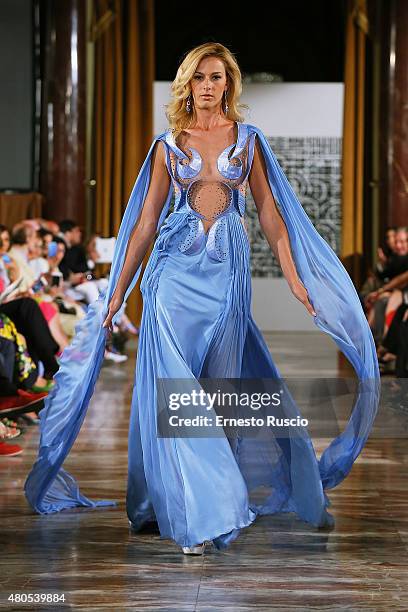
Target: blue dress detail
[{"x": 197, "y": 323}]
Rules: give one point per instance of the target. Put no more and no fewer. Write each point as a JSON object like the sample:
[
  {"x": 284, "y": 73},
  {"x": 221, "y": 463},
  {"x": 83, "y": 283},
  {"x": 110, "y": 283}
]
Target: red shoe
[
  {"x": 24, "y": 399},
  {"x": 10, "y": 450},
  {"x": 31, "y": 394}
]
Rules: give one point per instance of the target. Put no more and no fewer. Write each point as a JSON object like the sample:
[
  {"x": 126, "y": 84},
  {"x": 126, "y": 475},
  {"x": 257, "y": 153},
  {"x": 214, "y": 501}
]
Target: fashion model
[{"x": 197, "y": 324}]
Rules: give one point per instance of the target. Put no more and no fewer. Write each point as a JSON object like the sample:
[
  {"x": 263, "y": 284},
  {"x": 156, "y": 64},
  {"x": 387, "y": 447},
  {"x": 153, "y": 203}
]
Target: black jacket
[{"x": 75, "y": 260}]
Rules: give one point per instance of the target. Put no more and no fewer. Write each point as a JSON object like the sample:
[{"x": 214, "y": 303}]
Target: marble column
[
  {"x": 63, "y": 128},
  {"x": 397, "y": 213}
]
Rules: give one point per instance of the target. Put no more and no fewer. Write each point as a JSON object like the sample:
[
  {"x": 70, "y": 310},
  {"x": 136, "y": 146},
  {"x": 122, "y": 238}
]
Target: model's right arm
[{"x": 144, "y": 231}]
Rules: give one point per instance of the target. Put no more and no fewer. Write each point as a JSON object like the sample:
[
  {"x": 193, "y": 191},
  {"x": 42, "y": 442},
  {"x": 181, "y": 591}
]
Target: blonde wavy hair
[{"x": 176, "y": 112}]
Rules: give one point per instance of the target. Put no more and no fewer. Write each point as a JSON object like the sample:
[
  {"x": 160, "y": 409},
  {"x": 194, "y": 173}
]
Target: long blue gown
[{"x": 197, "y": 323}]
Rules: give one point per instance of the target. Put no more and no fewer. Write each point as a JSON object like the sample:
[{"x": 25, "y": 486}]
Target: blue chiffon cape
[{"x": 50, "y": 488}]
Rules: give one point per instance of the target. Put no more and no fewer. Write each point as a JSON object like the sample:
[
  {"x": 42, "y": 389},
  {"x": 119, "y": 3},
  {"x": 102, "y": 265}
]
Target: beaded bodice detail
[{"x": 210, "y": 192}]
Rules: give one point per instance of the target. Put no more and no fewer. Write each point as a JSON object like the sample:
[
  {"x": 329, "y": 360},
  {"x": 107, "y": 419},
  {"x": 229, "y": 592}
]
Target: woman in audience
[
  {"x": 20, "y": 383},
  {"x": 37, "y": 252},
  {"x": 9, "y": 268},
  {"x": 374, "y": 280},
  {"x": 70, "y": 312},
  {"x": 29, "y": 322},
  {"x": 392, "y": 349},
  {"x": 25, "y": 244},
  {"x": 5, "y": 239},
  {"x": 37, "y": 258},
  {"x": 383, "y": 303},
  {"x": 389, "y": 349},
  {"x": 24, "y": 373}
]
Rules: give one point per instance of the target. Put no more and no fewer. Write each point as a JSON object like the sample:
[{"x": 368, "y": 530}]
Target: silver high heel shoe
[{"x": 194, "y": 550}]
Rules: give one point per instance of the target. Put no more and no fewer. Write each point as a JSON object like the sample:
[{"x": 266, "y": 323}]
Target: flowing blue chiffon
[{"x": 209, "y": 488}]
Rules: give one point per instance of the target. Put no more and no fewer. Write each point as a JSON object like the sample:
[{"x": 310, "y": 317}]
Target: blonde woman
[{"x": 200, "y": 485}]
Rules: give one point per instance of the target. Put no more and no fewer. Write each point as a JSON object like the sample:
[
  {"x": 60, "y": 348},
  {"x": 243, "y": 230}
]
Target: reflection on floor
[{"x": 279, "y": 563}]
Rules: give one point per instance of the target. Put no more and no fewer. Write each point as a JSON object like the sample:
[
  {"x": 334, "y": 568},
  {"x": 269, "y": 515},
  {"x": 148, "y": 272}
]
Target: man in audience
[
  {"x": 75, "y": 266},
  {"x": 382, "y": 303},
  {"x": 390, "y": 349}
]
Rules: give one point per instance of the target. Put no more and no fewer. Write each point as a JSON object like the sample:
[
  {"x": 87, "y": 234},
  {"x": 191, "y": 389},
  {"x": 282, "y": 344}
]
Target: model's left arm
[{"x": 274, "y": 228}]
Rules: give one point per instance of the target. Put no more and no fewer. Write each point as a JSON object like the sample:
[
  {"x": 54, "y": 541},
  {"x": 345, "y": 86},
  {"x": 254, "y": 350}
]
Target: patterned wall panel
[{"x": 313, "y": 166}]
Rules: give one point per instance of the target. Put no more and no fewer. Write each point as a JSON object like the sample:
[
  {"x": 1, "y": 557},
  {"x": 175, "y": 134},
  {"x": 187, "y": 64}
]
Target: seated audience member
[
  {"x": 30, "y": 323},
  {"x": 5, "y": 241},
  {"x": 9, "y": 267},
  {"x": 70, "y": 311},
  {"x": 77, "y": 269},
  {"x": 123, "y": 324},
  {"x": 382, "y": 303},
  {"x": 402, "y": 350},
  {"x": 20, "y": 385},
  {"x": 389, "y": 241},
  {"x": 4, "y": 277},
  {"x": 387, "y": 349},
  {"x": 44, "y": 256},
  {"x": 75, "y": 266},
  {"x": 387, "y": 250},
  {"x": 24, "y": 373},
  {"x": 397, "y": 262},
  {"x": 374, "y": 279},
  {"x": 38, "y": 255},
  {"x": 7, "y": 364},
  {"x": 25, "y": 243},
  {"x": 393, "y": 356}
]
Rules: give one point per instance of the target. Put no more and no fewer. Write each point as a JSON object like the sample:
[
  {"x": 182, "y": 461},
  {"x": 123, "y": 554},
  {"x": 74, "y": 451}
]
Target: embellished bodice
[
  {"x": 207, "y": 192},
  {"x": 211, "y": 191}
]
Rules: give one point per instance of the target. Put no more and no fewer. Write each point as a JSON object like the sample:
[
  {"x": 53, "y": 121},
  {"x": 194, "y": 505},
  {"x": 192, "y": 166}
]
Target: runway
[{"x": 278, "y": 563}]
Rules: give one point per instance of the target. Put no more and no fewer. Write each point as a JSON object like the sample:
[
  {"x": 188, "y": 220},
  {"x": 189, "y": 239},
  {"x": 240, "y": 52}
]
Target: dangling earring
[
  {"x": 188, "y": 104},
  {"x": 226, "y": 107}
]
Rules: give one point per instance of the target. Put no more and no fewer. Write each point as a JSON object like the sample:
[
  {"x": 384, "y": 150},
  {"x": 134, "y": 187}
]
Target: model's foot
[{"x": 194, "y": 550}]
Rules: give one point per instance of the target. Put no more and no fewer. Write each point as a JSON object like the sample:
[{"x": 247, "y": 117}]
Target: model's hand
[
  {"x": 299, "y": 291},
  {"x": 114, "y": 305}
]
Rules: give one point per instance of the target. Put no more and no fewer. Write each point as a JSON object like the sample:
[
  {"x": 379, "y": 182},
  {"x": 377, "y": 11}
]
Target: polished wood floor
[{"x": 279, "y": 563}]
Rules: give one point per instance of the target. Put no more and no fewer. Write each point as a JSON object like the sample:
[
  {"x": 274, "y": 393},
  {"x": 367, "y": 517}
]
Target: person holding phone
[{"x": 25, "y": 244}]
